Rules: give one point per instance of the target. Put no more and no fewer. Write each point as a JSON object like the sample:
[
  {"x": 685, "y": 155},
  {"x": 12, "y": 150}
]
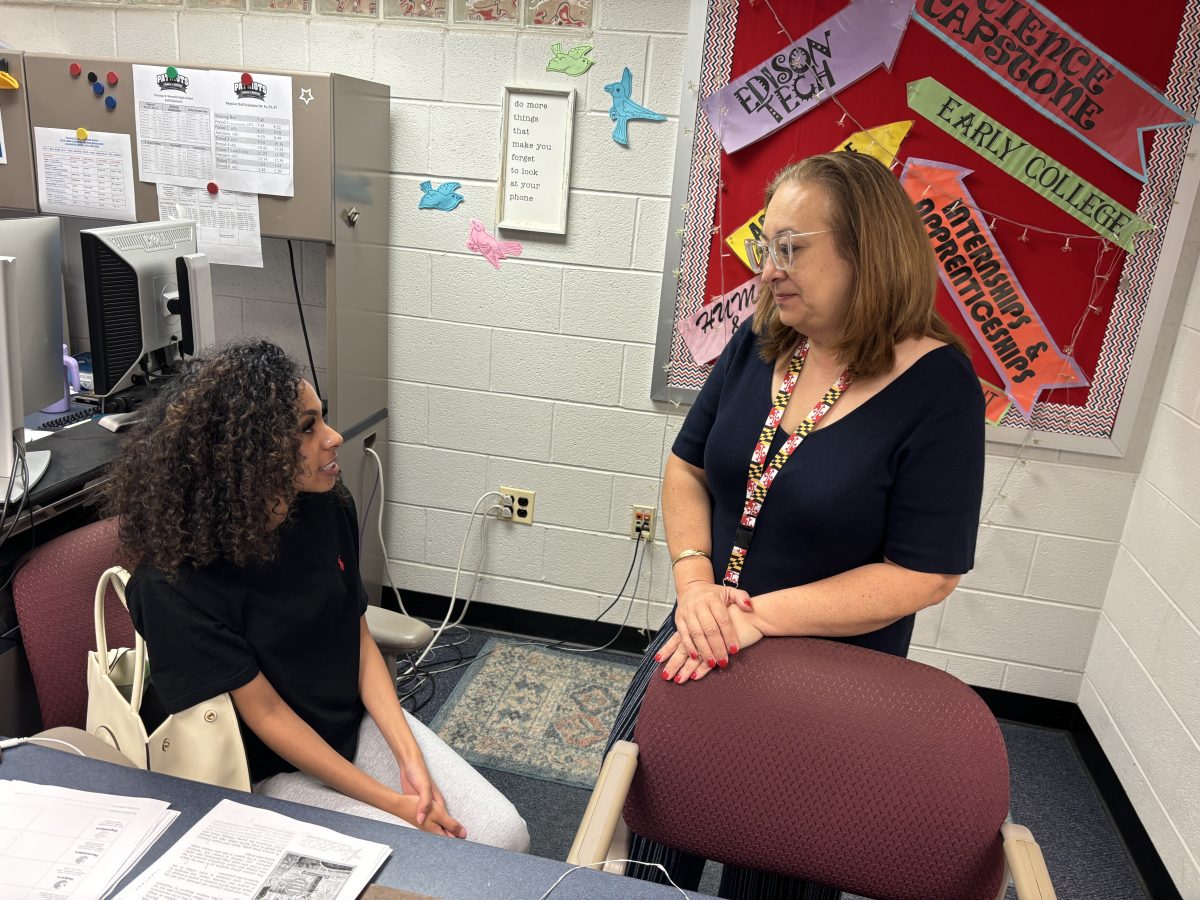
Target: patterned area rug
[{"x": 534, "y": 711}]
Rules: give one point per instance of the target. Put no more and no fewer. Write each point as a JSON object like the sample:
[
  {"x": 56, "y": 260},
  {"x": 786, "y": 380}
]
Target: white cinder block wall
[
  {"x": 1141, "y": 688},
  {"x": 538, "y": 376}
]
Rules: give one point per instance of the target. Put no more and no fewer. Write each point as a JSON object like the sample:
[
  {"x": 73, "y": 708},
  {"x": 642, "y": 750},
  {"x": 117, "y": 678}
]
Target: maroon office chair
[
  {"x": 824, "y": 761},
  {"x": 54, "y": 593}
]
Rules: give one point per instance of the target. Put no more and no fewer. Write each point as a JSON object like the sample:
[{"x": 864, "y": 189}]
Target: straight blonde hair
[{"x": 876, "y": 229}]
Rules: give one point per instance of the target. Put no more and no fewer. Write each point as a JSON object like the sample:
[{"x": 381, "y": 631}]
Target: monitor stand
[{"x": 37, "y": 461}]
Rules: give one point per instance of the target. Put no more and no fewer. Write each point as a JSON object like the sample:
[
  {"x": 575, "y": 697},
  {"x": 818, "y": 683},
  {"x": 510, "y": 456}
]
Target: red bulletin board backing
[{"x": 1058, "y": 273}]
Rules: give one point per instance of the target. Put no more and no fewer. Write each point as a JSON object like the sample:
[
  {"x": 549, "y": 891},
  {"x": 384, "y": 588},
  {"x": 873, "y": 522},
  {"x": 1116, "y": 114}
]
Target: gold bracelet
[{"x": 686, "y": 553}]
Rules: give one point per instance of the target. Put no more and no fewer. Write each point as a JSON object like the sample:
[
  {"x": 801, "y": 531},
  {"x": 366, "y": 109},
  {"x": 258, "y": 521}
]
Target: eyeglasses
[{"x": 780, "y": 249}]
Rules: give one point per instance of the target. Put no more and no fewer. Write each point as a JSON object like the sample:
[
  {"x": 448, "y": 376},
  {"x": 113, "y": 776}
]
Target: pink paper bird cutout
[{"x": 489, "y": 247}]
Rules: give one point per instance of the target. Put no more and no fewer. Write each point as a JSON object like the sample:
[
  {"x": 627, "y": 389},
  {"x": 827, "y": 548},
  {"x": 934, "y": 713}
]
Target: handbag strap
[{"x": 118, "y": 578}]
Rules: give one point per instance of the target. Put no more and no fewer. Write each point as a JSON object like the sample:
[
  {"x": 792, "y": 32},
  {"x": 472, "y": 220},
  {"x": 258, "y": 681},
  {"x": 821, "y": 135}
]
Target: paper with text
[
  {"x": 59, "y": 843},
  {"x": 252, "y": 133},
  {"x": 91, "y": 178},
  {"x": 174, "y": 125},
  {"x": 227, "y": 225},
  {"x": 241, "y": 851}
]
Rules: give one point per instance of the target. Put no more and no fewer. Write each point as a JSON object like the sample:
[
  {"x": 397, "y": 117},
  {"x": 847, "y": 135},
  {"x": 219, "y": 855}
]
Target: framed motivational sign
[
  {"x": 535, "y": 159},
  {"x": 1046, "y": 145}
]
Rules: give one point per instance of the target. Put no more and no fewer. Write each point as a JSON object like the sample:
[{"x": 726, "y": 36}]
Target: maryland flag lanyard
[{"x": 759, "y": 482}]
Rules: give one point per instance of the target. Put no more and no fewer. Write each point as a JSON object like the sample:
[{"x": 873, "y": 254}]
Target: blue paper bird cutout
[
  {"x": 624, "y": 109},
  {"x": 445, "y": 196}
]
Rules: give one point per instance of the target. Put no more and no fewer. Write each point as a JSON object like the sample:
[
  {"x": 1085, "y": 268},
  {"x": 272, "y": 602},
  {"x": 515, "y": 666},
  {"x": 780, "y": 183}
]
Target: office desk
[
  {"x": 78, "y": 458},
  {"x": 439, "y": 867}
]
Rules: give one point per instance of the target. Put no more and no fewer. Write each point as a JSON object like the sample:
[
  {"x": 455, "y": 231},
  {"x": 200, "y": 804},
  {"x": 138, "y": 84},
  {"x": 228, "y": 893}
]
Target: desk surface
[
  {"x": 78, "y": 458},
  {"x": 419, "y": 862},
  {"x": 77, "y": 455}
]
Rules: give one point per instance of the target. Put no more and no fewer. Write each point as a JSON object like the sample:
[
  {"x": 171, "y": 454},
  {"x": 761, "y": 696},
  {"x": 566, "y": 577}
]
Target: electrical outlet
[
  {"x": 522, "y": 505},
  {"x": 641, "y": 523}
]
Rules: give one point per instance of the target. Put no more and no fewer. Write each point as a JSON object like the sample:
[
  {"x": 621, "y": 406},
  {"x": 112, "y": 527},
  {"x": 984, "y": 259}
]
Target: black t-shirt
[
  {"x": 295, "y": 619},
  {"x": 900, "y": 477}
]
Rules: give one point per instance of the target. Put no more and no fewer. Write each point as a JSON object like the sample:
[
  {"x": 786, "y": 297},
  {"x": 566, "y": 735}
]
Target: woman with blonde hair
[{"x": 827, "y": 480}]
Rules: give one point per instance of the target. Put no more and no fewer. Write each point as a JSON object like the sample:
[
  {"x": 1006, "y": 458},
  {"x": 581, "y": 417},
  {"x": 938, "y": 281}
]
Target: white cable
[
  {"x": 605, "y": 862},
  {"x": 16, "y": 742},
  {"x": 387, "y": 562},
  {"x": 458, "y": 573}
]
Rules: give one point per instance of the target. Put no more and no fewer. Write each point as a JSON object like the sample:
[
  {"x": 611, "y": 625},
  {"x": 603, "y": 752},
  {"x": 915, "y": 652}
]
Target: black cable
[
  {"x": 303, "y": 326},
  {"x": 616, "y": 599},
  {"x": 20, "y": 447}
]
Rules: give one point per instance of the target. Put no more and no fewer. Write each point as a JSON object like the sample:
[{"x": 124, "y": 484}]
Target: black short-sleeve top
[
  {"x": 900, "y": 477},
  {"x": 295, "y": 619}
]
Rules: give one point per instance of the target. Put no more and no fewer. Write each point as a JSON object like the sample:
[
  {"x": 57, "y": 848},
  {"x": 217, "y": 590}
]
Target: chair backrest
[
  {"x": 54, "y": 594},
  {"x": 821, "y": 760}
]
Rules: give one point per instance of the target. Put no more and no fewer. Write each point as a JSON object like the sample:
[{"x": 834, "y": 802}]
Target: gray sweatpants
[{"x": 487, "y": 814}]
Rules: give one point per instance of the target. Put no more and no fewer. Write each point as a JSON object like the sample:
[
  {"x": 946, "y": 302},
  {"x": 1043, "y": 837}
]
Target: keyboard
[{"x": 75, "y": 415}]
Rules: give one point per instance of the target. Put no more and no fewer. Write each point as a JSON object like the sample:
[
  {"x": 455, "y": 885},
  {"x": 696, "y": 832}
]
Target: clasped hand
[
  {"x": 422, "y": 803},
  {"x": 712, "y": 623}
]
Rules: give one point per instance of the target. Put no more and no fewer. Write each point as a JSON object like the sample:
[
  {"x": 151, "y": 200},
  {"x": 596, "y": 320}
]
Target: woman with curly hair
[{"x": 248, "y": 584}]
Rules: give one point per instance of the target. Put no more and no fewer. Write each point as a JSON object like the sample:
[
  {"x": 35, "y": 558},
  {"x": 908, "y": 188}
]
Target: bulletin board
[{"x": 1097, "y": 291}]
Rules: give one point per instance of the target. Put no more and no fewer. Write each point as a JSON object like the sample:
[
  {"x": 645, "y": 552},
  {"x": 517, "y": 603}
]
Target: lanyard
[{"x": 758, "y": 481}]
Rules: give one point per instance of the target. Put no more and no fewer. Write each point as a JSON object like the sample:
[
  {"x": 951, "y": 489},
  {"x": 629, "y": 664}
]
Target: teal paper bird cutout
[
  {"x": 445, "y": 196},
  {"x": 624, "y": 109},
  {"x": 574, "y": 62}
]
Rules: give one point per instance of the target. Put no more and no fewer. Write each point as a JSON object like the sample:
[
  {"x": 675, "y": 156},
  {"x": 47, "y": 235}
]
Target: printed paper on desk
[
  {"x": 252, "y": 133},
  {"x": 243, "y": 851},
  {"x": 709, "y": 329},
  {"x": 91, "y": 178},
  {"x": 227, "y": 226},
  {"x": 174, "y": 125}
]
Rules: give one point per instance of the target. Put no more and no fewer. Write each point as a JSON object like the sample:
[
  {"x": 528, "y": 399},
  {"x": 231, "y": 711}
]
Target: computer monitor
[
  {"x": 15, "y": 472},
  {"x": 31, "y": 341},
  {"x": 36, "y": 244},
  {"x": 143, "y": 283}
]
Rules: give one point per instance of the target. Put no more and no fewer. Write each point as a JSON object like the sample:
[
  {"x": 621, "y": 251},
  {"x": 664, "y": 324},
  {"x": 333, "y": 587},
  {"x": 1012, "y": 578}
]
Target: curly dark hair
[{"x": 213, "y": 455}]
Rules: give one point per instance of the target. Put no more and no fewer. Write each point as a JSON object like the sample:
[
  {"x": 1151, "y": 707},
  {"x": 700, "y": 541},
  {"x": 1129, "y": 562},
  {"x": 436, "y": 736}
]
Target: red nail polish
[
  {"x": 666, "y": 675},
  {"x": 679, "y": 679},
  {"x": 722, "y": 663},
  {"x": 694, "y": 655},
  {"x": 658, "y": 657},
  {"x": 712, "y": 663},
  {"x": 695, "y": 675},
  {"x": 733, "y": 648},
  {"x": 749, "y": 605}
]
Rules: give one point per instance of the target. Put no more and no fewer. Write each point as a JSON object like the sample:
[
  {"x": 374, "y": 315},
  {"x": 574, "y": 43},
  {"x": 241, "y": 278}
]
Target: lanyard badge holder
[{"x": 758, "y": 481}]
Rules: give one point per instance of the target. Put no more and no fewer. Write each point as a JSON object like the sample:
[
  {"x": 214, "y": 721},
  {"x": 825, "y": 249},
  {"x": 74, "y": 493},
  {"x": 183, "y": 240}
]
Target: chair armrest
[
  {"x": 603, "y": 813},
  {"x": 85, "y": 744},
  {"x": 1026, "y": 863},
  {"x": 397, "y": 633}
]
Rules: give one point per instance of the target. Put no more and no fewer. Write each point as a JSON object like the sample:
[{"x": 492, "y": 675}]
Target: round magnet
[
  {"x": 110, "y": 102},
  {"x": 92, "y": 77},
  {"x": 111, "y": 78},
  {"x": 212, "y": 187},
  {"x": 97, "y": 88},
  {"x": 81, "y": 134},
  {"x": 172, "y": 72},
  {"x": 246, "y": 79},
  {"x": 75, "y": 70}
]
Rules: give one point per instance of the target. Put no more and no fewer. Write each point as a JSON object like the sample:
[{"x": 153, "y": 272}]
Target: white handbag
[{"x": 201, "y": 743}]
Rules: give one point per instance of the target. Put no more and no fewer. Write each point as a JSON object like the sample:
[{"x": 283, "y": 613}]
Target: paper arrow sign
[
  {"x": 985, "y": 289},
  {"x": 1070, "y": 81},
  {"x": 834, "y": 55}
]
